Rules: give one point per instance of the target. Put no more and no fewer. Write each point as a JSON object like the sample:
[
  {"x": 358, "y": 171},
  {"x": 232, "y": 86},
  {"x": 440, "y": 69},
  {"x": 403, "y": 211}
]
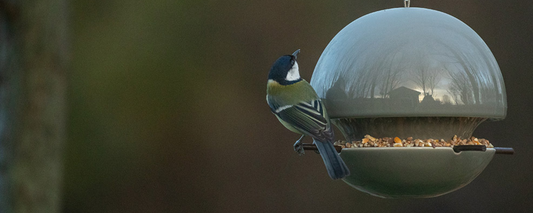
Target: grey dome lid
[{"x": 409, "y": 62}]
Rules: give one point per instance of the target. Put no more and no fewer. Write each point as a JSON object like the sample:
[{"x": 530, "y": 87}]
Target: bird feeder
[{"x": 410, "y": 72}]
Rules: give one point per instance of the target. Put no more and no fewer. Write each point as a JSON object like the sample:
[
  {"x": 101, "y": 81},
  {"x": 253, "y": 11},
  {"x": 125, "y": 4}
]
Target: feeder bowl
[
  {"x": 413, "y": 172},
  {"x": 410, "y": 72}
]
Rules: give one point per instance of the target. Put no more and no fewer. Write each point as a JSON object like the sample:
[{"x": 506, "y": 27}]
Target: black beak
[{"x": 295, "y": 54}]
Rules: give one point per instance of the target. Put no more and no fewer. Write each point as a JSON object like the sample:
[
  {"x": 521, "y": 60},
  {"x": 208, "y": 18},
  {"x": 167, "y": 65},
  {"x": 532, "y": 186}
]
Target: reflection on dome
[{"x": 409, "y": 62}]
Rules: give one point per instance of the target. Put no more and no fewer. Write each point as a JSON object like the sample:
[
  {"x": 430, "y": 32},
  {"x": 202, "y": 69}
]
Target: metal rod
[
  {"x": 504, "y": 150},
  {"x": 310, "y": 146},
  {"x": 461, "y": 148}
]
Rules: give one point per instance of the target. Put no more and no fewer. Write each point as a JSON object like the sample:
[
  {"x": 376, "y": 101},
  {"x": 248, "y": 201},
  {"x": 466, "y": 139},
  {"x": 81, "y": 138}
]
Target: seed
[
  {"x": 369, "y": 141},
  {"x": 397, "y": 140},
  {"x": 370, "y": 138}
]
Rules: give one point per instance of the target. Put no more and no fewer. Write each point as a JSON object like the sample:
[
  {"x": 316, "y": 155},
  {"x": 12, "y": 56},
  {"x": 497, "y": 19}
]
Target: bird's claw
[{"x": 299, "y": 147}]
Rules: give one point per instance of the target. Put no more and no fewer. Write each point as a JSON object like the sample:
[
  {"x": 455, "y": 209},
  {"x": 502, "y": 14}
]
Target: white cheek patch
[{"x": 294, "y": 73}]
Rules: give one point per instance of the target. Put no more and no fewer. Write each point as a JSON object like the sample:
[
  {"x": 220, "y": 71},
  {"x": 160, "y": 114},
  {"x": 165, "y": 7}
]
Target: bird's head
[{"x": 285, "y": 69}]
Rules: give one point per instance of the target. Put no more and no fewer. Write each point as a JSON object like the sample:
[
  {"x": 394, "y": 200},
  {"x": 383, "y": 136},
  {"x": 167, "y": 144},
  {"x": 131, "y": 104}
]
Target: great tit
[{"x": 298, "y": 107}]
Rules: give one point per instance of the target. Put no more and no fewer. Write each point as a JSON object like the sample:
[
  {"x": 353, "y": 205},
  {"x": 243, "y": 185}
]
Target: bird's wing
[{"x": 307, "y": 117}]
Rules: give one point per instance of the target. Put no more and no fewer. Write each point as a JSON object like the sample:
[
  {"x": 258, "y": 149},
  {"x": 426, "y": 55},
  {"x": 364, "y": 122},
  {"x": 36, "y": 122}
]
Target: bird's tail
[{"x": 336, "y": 167}]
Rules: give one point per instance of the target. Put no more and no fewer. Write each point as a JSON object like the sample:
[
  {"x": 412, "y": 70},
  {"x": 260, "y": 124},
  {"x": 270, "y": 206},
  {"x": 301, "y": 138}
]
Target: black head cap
[{"x": 281, "y": 67}]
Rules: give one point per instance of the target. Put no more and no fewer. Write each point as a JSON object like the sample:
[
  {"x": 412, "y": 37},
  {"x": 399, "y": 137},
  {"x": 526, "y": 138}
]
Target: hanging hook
[{"x": 407, "y": 3}]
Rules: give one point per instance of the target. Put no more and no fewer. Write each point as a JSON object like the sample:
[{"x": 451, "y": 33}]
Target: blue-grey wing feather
[{"x": 309, "y": 118}]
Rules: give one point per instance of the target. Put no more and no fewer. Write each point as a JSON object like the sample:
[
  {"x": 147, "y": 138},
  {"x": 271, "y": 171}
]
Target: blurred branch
[{"x": 33, "y": 63}]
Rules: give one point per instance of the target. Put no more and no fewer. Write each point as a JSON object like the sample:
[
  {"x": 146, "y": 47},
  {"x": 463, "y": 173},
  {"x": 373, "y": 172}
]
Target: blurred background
[{"x": 168, "y": 112}]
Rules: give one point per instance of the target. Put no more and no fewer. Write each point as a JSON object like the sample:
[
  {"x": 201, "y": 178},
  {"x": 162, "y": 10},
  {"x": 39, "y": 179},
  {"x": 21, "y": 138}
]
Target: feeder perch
[{"x": 410, "y": 72}]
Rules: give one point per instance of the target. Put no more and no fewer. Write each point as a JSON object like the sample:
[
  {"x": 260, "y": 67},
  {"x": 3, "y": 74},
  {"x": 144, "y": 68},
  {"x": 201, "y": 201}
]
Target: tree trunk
[{"x": 33, "y": 64}]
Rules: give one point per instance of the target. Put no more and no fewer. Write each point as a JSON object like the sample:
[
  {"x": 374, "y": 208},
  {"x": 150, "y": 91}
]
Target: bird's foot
[{"x": 298, "y": 146}]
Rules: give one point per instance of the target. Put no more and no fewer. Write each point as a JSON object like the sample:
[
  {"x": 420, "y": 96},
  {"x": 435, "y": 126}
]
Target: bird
[{"x": 297, "y": 106}]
